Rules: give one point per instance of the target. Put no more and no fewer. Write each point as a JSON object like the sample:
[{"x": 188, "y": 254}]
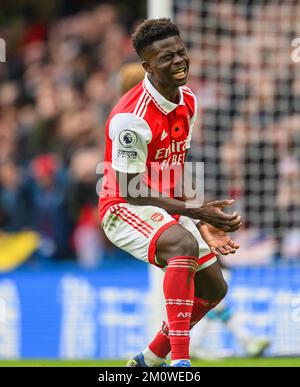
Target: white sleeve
[
  {"x": 130, "y": 136},
  {"x": 192, "y": 121}
]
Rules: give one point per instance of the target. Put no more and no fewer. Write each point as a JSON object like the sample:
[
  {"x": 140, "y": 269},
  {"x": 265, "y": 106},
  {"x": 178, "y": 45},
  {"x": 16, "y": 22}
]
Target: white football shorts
[{"x": 136, "y": 229}]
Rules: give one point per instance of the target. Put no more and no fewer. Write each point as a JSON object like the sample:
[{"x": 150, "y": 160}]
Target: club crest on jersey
[
  {"x": 157, "y": 217},
  {"x": 127, "y": 138}
]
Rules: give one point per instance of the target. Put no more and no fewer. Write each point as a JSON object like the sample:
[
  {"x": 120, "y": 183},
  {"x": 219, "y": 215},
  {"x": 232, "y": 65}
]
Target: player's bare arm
[{"x": 210, "y": 213}]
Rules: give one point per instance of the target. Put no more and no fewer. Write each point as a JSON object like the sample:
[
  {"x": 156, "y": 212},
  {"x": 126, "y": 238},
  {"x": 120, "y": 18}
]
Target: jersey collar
[{"x": 160, "y": 101}]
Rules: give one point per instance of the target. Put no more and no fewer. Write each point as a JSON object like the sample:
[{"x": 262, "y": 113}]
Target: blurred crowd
[
  {"x": 61, "y": 80},
  {"x": 57, "y": 88},
  {"x": 248, "y": 134}
]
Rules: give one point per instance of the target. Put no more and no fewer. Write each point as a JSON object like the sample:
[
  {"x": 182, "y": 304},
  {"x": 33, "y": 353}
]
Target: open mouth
[{"x": 180, "y": 73}]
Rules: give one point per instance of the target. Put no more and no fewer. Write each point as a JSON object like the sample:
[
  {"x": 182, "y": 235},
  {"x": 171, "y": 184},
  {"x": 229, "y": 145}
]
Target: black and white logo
[
  {"x": 127, "y": 154},
  {"x": 127, "y": 138}
]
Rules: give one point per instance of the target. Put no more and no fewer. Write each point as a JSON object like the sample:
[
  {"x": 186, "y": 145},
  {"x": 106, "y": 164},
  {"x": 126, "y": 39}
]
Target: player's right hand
[{"x": 212, "y": 213}]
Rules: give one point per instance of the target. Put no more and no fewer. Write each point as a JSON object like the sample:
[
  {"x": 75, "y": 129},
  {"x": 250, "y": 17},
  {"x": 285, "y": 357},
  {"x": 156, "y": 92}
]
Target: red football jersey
[{"x": 146, "y": 132}]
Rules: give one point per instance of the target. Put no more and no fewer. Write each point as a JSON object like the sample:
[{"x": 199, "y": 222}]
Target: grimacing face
[{"x": 167, "y": 62}]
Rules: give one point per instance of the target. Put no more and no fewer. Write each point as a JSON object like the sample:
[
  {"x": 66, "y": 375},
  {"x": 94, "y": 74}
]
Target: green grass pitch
[{"x": 230, "y": 362}]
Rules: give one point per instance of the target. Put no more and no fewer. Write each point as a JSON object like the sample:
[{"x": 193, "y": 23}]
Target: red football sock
[
  {"x": 179, "y": 295},
  {"x": 161, "y": 346}
]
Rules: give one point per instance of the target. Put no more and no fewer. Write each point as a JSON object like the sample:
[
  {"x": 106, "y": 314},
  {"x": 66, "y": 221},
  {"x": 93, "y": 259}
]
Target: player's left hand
[{"x": 218, "y": 240}]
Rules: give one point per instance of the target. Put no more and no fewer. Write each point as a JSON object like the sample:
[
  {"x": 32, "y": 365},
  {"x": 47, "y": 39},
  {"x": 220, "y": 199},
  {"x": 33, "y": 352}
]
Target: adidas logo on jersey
[{"x": 163, "y": 135}]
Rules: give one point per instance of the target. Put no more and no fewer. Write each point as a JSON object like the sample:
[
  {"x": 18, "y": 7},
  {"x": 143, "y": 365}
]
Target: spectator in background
[
  {"x": 288, "y": 195},
  {"x": 13, "y": 199},
  {"x": 129, "y": 76},
  {"x": 82, "y": 205},
  {"x": 17, "y": 242},
  {"x": 58, "y": 86},
  {"x": 47, "y": 189}
]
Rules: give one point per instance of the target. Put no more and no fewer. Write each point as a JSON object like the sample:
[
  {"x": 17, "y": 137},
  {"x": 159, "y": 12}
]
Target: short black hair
[{"x": 152, "y": 30}]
